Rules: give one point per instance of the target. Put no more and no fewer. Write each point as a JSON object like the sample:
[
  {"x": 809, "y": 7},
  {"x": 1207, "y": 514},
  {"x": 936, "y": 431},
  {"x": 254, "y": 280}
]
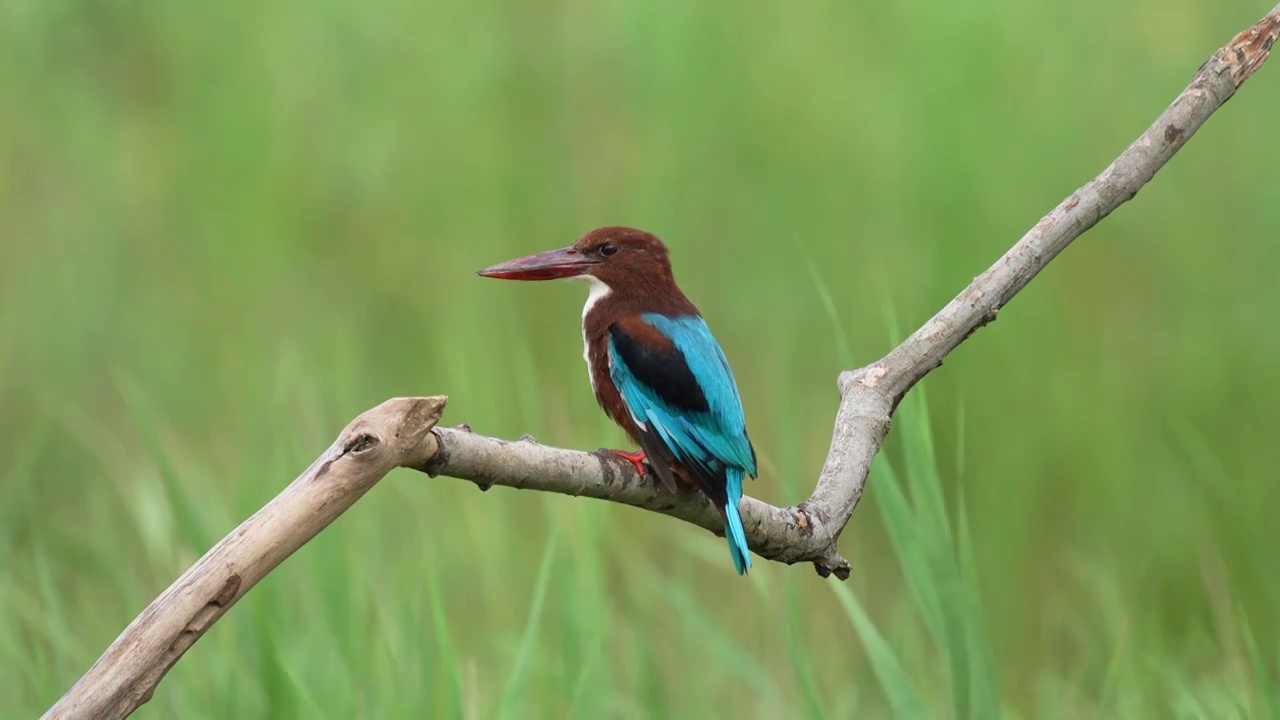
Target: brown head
[{"x": 621, "y": 258}]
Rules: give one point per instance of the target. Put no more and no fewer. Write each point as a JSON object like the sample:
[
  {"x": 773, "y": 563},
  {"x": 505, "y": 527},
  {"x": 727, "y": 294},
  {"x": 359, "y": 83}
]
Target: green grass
[{"x": 227, "y": 228}]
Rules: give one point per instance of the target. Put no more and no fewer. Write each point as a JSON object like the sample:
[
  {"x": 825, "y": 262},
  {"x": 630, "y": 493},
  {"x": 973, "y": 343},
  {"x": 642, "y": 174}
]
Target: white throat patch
[{"x": 599, "y": 291}]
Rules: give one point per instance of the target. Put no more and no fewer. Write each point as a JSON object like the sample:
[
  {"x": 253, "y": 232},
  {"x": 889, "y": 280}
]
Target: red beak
[{"x": 549, "y": 265}]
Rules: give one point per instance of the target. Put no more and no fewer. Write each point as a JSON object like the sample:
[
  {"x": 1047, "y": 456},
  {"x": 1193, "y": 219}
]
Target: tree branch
[
  {"x": 396, "y": 433},
  {"x": 808, "y": 532},
  {"x": 401, "y": 433}
]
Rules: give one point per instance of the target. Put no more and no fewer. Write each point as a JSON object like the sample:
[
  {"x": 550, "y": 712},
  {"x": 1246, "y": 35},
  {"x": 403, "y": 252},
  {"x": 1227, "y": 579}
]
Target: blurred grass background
[{"x": 227, "y": 228}]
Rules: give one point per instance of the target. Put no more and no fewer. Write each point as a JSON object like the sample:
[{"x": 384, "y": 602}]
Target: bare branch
[
  {"x": 396, "y": 433},
  {"x": 784, "y": 534},
  {"x": 401, "y": 433},
  {"x": 808, "y": 532}
]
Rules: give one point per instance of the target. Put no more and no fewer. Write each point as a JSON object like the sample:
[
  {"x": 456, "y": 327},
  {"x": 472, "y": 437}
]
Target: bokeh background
[{"x": 227, "y": 228}]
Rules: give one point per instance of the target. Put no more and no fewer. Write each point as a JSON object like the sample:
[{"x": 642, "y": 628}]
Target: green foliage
[{"x": 227, "y": 228}]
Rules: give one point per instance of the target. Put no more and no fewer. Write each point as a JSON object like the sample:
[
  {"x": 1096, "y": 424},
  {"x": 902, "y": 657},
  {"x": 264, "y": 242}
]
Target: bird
[{"x": 655, "y": 368}]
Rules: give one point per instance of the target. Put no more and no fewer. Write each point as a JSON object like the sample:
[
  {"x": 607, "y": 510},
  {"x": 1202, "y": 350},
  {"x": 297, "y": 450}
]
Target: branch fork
[{"x": 402, "y": 432}]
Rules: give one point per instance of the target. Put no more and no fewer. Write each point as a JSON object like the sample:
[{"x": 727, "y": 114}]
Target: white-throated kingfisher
[{"x": 655, "y": 367}]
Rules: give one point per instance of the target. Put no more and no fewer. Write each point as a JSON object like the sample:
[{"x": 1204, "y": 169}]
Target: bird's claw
[{"x": 635, "y": 458}]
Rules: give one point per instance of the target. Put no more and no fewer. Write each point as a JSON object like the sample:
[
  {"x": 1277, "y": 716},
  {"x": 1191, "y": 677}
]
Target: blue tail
[{"x": 734, "y": 533}]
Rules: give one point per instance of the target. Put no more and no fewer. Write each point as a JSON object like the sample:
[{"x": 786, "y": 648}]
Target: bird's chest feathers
[
  {"x": 595, "y": 351},
  {"x": 596, "y": 319}
]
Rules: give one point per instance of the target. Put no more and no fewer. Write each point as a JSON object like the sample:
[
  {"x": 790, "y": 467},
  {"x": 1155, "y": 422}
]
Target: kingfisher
[{"x": 654, "y": 367}]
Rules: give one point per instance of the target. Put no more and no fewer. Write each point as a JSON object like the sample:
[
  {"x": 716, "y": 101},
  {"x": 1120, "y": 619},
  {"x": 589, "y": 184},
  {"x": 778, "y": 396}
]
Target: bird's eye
[{"x": 609, "y": 249}]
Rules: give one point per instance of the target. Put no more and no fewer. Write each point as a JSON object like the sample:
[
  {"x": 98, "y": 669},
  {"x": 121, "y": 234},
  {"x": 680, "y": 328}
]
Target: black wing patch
[{"x": 663, "y": 369}]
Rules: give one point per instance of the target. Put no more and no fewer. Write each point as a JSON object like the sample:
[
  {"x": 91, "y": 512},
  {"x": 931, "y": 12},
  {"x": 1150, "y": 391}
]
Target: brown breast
[{"x": 605, "y": 306}]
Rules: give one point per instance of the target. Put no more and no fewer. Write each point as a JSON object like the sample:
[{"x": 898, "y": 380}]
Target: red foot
[{"x": 635, "y": 458}]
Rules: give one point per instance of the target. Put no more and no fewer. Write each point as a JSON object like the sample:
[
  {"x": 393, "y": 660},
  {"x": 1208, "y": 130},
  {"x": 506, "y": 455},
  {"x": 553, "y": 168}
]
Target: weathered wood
[
  {"x": 396, "y": 433},
  {"x": 401, "y": 432}
]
